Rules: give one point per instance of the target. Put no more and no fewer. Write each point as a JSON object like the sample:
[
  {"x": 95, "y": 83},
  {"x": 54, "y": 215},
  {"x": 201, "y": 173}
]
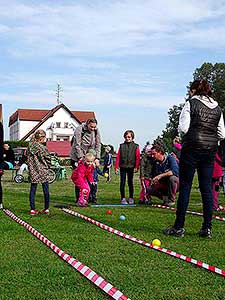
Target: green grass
[{"x": 30, "y": 270}]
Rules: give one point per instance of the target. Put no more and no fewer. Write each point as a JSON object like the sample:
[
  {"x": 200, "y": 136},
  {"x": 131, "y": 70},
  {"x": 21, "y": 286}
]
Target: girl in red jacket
[{"x": 82, "y": 176}]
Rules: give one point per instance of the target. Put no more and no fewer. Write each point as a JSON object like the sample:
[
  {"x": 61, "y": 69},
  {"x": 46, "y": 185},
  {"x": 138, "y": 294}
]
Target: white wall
[{"x": 20, "y": 128}]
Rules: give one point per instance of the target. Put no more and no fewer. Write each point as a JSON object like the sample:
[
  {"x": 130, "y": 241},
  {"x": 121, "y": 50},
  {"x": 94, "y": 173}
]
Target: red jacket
[
  {"x": 82, "y": 174},
  {"x": 217, "y": 168}
]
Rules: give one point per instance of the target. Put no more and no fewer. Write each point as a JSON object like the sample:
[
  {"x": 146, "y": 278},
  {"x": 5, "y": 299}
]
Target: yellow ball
[
  {"x": 106, "y": 175},
  {"x": 156, "y": 242}
]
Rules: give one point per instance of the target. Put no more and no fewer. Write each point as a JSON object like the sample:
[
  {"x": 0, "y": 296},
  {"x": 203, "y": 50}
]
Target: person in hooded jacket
[{"x": 201, "y": 122}]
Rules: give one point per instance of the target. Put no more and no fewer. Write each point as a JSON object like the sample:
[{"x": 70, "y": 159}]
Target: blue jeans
[
  {"x": 202, "y": 161},
  {"x": 33, "y": 189}
]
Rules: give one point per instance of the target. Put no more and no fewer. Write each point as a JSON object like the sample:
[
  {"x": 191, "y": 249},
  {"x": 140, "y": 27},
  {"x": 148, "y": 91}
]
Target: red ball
[{"x": 109, "y": 212}]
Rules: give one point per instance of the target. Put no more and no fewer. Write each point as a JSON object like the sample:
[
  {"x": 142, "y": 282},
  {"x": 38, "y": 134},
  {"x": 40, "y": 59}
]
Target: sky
[{"x": 129, "y": 61}]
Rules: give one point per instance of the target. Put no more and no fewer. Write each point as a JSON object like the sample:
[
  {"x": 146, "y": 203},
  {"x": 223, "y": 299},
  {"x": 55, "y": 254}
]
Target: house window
[
  {"x": 66, "y": 124},
  {"x": 58, "y": 124}
]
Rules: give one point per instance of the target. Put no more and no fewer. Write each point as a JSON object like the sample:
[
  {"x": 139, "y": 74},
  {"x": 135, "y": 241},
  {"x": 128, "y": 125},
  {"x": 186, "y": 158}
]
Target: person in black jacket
[
  {"x": 8, "y": 156},
  {"x": 201, "y": 122}
]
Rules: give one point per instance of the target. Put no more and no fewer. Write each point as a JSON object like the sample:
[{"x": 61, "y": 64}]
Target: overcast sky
[{"x": 128, "y": 61}]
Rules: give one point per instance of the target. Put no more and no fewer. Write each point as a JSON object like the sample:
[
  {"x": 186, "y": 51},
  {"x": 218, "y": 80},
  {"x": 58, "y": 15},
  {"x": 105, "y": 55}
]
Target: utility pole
[{"x": 58, "y": 93}]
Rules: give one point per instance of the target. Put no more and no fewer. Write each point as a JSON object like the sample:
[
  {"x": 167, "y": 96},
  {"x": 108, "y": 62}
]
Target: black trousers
[
  {"x": 0, "y": 189},
  {"x": 129, "y": 172},
  {"x": 93, "y": 193}
]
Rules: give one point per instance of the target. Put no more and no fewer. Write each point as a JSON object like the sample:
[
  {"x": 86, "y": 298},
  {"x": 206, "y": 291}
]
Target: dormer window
[{"x": 58, "y": 124}]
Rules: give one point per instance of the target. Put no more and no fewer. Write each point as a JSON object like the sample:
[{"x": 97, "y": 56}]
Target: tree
[
  {"x": 215, "y": 74},
  {"x": 170, "y": 132}
]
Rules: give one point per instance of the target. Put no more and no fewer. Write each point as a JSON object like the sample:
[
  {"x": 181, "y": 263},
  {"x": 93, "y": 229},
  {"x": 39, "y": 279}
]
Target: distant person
[
  {"x": 94, "y": 185},
  {"x": 128, "y": 162},
  {"x": 39, "y": 162},
  {"x": 107, "y": 164},
  {"x": 1, "y": 162},
  {"x": 146, "y": 174},
  {"x": 176, "y": 148},
  {"x": 82, "y": 177},
  {"x": 216, "y": 180},
  {"x": 8, "y": 156},
  {"x": 23, "y": 163},
  {"x": 201, "y": 122},
  {"x": 86, "y": 136},
  {"x": 165, "y": 176},
  {"x": 222, "y": 154}
]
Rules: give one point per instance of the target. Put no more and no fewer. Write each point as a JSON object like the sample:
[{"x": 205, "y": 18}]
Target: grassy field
[{"x": 30, "y": 270}]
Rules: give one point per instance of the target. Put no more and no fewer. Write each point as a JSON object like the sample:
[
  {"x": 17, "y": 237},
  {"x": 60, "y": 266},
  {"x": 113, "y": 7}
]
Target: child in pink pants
[
  {"x": 216, "y": 179},
  {"x": 82, "y": 176}
]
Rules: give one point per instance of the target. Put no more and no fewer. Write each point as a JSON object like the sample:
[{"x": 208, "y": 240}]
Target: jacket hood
[{"x": 208, "y": 101}]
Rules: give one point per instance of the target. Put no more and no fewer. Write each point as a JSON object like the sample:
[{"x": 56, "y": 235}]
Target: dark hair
[
  {"x": 127, "y": 132},
  {"x": 91, "y": 120},
  {"x": 158, "y": 149},
  {"x": 201, "y": 88}
]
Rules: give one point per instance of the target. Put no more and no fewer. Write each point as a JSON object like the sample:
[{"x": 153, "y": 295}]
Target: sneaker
[
  {"x": 221, "y": 208},
  {"x": 131, "y": 201},
  {"x": 170, "y": 203},
  {"x": 174, "y": 232},
  {"x": 82, "y": 203},
  {"x": 148, "y": 202},
  {"x": 141, "y": 202},
  {"x": 124, "y": 201},
  {"x": 207, "y": 232},
  {"x": 46, "y": 211},
  {"x": 165, "y": 200},
  {"x": 1, "y": 206},
  {"x": 33, "y": 212}
]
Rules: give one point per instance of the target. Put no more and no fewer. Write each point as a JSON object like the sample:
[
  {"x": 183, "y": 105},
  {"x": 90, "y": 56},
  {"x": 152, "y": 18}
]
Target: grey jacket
[{"x": 83, "y": 140}]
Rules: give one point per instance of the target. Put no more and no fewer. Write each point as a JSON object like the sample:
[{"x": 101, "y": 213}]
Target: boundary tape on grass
[
  {"x": 88, "y": 273},
  {"x": 113, "y": 205},
  {"x": 157, "y": 206},
  {"x": 188, "y": 211},
  {"x": 196, "y": 262}
]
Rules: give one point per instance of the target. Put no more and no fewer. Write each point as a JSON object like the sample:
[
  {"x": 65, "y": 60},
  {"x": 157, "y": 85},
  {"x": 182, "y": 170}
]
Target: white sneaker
[
  {"x": 1, "y": 206},
  {"x": 124, "y": 201},
  {"x": 131, "y": 201}
]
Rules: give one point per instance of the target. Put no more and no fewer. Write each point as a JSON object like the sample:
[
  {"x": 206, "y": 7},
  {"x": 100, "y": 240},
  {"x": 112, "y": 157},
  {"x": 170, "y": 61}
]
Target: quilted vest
[
  {"x": 202, "y": 133},
  {"x": 128, "y": 155}
]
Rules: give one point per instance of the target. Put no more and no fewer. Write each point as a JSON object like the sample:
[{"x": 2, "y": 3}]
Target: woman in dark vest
[
  {"x": 201, "y": 122},
  {"x": 128, "y": 160}
]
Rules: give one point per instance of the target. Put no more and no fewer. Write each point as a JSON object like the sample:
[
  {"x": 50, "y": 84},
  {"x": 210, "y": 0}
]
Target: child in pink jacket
[
  {"x": 82, "y": 176},
  {"x": 216, "y": 179}
]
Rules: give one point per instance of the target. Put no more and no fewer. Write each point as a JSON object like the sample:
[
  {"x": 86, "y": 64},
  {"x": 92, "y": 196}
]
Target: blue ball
[{"x": 122, "y": 218}]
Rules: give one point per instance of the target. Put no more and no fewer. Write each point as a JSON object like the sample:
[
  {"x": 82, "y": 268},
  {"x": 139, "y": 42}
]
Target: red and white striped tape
[
  {"x": 99, "y": 281},
  {"x": 188, "y": 211},
  {"x": 143, "y": 243}
]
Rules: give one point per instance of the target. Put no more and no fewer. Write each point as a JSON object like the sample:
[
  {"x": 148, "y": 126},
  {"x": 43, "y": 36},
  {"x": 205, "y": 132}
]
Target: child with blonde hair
[
  {"x": 82, "y": 176},
  {"x": 39, "y": 162}
]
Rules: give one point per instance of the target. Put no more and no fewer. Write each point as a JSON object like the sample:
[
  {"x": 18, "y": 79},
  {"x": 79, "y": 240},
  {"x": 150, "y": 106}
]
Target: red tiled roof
[
  {"x": 27, "y": 115},
  {"x": 82, "y": 116},
  {"x": 39, "y": 114},
  {"x": 62, "y": 148}
]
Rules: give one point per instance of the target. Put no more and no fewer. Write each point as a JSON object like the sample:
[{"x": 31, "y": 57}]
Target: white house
[{"x": 59, "y": 123}]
